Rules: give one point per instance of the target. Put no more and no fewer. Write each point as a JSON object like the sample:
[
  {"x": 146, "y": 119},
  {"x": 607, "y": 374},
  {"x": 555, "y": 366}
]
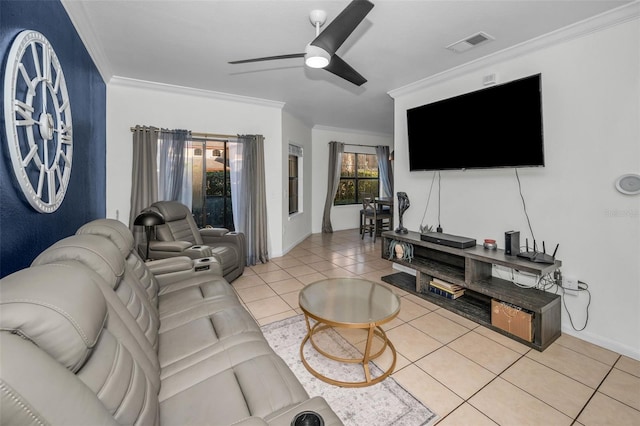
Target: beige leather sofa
[
  {"x": 91, "y": 335},
  {"x": 180, "y": 236}
]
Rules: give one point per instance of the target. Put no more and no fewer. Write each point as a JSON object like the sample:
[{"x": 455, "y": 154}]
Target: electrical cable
[
  {"x": 564, "y": 303},
  {"x": 515, "y": 282},
  {"x": 548, "y": 282},
  {"x": 439, "y": 229},
  {"x": 524, "y": 206},
  {"x": 433, "y": 179}
]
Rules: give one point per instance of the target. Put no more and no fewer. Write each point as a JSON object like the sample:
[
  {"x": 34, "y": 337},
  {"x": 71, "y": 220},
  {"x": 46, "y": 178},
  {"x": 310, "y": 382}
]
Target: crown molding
[
  {"x": 597, "y": 23},
  {"x": 190, "y": 91},
  {"x": 77, "y": 13},
  {"x": 354, "y": 131}
]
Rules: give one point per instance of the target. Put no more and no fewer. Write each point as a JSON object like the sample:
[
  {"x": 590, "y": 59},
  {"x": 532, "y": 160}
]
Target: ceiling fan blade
[
  {"x": 342, "y": 26},
  {"x": 269, "y": 58},
  {"x": 340, "y": 68}
]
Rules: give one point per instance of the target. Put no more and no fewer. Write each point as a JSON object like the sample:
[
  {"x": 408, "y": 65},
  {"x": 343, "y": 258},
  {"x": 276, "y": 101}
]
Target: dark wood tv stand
[{"x": 472, "y": 269}]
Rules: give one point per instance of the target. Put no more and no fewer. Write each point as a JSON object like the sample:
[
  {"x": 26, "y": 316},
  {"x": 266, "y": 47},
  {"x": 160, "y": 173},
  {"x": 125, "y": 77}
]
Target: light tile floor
[{"x": 466, "y": 373}]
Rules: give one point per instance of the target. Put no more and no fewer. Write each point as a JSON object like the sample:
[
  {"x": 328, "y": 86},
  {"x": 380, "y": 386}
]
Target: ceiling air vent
[{"x": 469, "y": 42}]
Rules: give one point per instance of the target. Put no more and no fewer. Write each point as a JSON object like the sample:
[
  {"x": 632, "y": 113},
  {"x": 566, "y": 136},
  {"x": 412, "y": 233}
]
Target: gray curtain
[
  {"x": 144, "y": 175},
  {"x": 171, "y": 161},
  {"x": 251, "y": 201},
  {"x": 385, "y": 172},
  {"x": 335, "y": 163}
]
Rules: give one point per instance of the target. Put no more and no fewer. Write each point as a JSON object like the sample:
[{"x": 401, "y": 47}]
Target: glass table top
[{"x": 349, "y": 301}]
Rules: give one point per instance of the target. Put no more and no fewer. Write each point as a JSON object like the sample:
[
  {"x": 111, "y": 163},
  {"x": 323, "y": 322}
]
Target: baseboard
[
  {"x": 293, "y": 245},
  {"x": 603, "y": 342}
]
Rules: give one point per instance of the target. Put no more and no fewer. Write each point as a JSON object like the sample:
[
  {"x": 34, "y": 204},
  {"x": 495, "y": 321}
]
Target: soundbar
[{"x": 448, "y": 240}]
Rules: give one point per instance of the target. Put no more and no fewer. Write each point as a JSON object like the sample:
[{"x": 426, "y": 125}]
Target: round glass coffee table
[{"x": 349, "y": 303}]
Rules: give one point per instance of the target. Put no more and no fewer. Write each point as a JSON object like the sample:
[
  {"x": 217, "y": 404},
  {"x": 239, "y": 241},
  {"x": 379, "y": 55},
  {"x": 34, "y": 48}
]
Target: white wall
[
  {"x": 342, "y": 217},
  {"x": 296, "y": 227},
  {"x": 591, "y": 95},
  {"x": 131, "y": 102}
]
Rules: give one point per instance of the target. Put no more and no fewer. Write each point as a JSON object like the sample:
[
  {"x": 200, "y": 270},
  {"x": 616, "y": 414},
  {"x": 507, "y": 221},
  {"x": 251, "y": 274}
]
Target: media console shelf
[{"x": 472, "y": 269}]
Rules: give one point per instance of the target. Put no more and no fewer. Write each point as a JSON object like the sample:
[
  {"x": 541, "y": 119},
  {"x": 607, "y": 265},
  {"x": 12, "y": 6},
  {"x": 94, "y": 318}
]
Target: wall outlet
[{"x": 569, "y": 282}]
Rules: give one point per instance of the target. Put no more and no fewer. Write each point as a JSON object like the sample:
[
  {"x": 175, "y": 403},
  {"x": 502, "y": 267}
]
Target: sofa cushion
[
  {"x": 243, "y": 380},
  {"x": 41, "y": 305},
  {"x": 113, "y": 230},
  {"x": 94, "y": 252},
  {"x": 179, "y": 224},
  {"x": 122, "y": 238},
  {"x": 101, "y": 256},
  {"x": 36, "y": 390}
]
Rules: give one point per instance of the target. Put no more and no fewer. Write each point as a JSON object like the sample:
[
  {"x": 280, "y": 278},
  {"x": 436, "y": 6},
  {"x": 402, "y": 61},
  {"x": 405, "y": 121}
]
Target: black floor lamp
[{"x": 149, "y": 219}]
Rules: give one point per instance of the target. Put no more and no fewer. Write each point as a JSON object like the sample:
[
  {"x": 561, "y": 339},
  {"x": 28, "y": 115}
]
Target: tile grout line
[
  {"x": 595, "y": 391},
  {"x": 570, "y": 377}
]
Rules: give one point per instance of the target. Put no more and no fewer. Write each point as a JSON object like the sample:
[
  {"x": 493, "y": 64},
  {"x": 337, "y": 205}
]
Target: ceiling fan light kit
[
  {"x": 316, "y": 57},
  {"x": 321, "y": 52}
]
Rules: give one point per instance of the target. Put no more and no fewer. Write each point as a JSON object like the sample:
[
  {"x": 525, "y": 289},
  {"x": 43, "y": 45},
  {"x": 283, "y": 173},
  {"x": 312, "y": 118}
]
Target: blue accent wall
[{"x": 24, "y": 233}]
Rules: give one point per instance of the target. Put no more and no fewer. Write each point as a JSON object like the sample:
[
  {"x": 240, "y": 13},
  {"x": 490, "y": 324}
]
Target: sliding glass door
[{"x": 211, "y": 203}]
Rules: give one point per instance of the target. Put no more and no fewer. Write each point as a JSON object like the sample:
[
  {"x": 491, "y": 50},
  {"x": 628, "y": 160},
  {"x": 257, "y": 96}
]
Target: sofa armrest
[
  {"x": 214, "y": 236},
  {"x": 167, "y": 249},
  {"x": 230, "y": 239},
  {"x": 171, "y": 246},
  {"x": 181, "y": 268},
  {"x": 169, "y": 265},
  {"x": 213, "y": 232}
]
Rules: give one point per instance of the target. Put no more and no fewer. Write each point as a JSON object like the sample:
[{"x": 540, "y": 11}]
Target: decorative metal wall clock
[{"x": 37, "y": 115}]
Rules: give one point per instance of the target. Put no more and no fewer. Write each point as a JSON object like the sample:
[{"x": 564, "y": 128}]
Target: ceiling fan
[{"x": 321, "y": 52}]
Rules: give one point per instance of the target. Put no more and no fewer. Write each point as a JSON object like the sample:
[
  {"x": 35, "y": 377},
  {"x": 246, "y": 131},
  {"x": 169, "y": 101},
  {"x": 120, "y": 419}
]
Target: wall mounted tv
[{"x": 500, "y": 126}]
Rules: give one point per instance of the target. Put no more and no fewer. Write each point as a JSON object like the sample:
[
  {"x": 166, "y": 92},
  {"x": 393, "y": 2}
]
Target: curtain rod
[
  {"x": 197, "y": 134},
  {"x": 357, "y": 144}
]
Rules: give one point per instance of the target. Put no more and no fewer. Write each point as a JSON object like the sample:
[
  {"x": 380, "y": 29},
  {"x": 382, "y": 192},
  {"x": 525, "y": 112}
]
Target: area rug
[{"x": 385, "y": 403}]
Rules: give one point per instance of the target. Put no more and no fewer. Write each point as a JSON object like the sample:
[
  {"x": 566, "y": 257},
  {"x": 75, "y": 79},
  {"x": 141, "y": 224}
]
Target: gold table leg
[{"x": 372, "y": 330}]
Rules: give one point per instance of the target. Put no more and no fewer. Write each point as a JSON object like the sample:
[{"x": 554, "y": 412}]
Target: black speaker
[{"x": 512, "y": 243}]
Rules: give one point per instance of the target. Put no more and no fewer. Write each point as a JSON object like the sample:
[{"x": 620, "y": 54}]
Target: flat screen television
[{"x": 500, "y": 126}]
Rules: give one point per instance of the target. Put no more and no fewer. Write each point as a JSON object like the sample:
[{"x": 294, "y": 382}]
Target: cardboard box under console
[{"x": 512, "y": 319}]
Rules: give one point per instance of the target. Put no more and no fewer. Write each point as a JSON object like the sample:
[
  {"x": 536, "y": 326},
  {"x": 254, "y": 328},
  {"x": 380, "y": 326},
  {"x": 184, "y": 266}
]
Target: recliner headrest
[
  {"x": 93, "y": 251},
  {"x": 112, "y": 229},
  {"x": 171, "y": 210},
  {"x": 58, "y": 307}
]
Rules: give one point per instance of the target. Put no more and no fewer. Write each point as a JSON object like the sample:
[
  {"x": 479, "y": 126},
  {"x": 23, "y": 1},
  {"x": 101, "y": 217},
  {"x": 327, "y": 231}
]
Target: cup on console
[{"x": 307, "y": 418}]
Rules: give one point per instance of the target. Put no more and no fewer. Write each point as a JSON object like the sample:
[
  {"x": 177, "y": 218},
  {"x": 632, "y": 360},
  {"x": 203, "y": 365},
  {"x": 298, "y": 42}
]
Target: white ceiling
[{"x": 188, "y": 43}]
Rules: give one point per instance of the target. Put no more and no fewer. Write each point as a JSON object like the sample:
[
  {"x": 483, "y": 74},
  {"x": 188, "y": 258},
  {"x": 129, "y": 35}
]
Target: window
[
  {"x": 295, "y": 179},
  {"x": 293, "y": 184},
  {"x": 211, "y": 203},
  {"x": 358, "y": 176}
]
